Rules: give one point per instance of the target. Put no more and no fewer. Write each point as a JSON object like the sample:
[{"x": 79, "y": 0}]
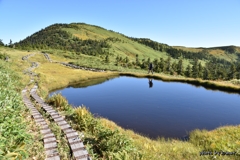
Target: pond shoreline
[{"x": 209, "y": 85}]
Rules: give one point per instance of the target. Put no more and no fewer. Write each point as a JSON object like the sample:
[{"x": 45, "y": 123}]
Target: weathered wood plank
[
  {"x": 48, "y": 135},
  {"x": 50, "y": 139},
  {"x": 80, "y": 154},
  {"x": 58, "y": 119},
  {"x": 77, "y": 146},
  {"x": 45, "y": 131},
  {"x": 53, "y": 158},
  {"x": 66, "y": 126},
  {"x": 51, "y": 152},
  {"x": 51, "y": 145}
]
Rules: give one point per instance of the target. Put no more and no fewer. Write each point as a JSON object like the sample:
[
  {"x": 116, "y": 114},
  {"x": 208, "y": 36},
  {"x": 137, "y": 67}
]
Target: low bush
[{"x": 3, "y": 56}]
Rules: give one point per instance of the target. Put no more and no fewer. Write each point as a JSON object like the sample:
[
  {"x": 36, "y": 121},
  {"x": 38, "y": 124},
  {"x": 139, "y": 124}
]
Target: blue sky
[{"x": 191, "y": 23}]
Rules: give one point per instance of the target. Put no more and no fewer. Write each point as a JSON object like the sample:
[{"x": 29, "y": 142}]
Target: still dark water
[{"x": 167, "y": 109}]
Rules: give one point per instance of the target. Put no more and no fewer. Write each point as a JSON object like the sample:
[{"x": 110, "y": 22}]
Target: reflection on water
[
  {"x": 169, "y": 109},
  {"x": 150, "y": 82}
]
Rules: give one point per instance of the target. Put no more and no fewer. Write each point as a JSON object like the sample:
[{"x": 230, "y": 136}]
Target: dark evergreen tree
[
  {"x": 137, "y": 60},
  {"x": 233, "y": 72},
  {"x": 162, "y": 65},
  {"x": 1, "y": 42},
  {"x": 188, "y": 71},
  {"x": 168, "y": 64},
  {"x": 107, "y": 59},
  {"x": 10, "y": 43},
  {"x": 126, "y": 59},
  {"x": 143, "y": 65},
  {"x": 174, "y": 66},
  {"x": 207, "y": 74},
  {"x": 148, "y": 61},
  {"x": 195, "y": 69},
  {"x": 200, "y": 70},
  {"x": 155, "y": 65},
  {"x": 238, "y": 71},
  {"x": 180, "y": 70}
]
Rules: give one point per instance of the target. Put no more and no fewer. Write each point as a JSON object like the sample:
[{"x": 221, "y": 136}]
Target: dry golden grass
[
  {"x": 216, "y": 52},
  {"x": 188, "y": 48},
  {"x": 158, "y": 149},
  {"x": 54, "y": 75}
]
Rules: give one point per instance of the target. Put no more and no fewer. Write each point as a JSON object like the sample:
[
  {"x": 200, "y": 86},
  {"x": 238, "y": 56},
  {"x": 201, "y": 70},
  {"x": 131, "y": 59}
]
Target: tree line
[{"x": 209, "y": 71}]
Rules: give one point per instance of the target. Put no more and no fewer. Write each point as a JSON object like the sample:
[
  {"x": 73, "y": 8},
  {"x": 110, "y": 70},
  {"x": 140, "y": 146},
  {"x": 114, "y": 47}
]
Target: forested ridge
[{"x": 55, "y": 38}]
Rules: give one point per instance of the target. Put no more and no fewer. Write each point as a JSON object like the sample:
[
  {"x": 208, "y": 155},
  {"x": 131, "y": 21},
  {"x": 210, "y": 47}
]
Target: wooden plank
[
  {"x": 74, "y": 141},
  {"x": 45, "y": 126},
  {"x": 73, "y": 135},
  {"x": 49, "y": 146},
  {"x": 48, "y": 135},
  {"x": 34, "y": 113},
  {"x": 39, "y": 116},
  {"x": 77, "y": 147},
  {"x": 66, "y": 126},
  {"x": 53, "y": 158},
  {"x": 70, "y": 130},
  {"x": 49, "y": 111},
  {"x": 39, "y": 120},
  {"x": 58, "y": 119},
  {"x": 48, "y": 108},
  {"x": 51, "y": 152},
  {"x": 43, "y": 123},
  {"x": 60, "y": 123},
  {"x": 80, "y": 154},
  {"x": 56, "y": 116},
  {"x": 50, "y": 139},
  {"x": 45, "y": 131}
]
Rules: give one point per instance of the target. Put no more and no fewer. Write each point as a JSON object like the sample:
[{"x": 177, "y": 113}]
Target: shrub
[
  {"x": 58, "y": 101},
  {"x": 3, "y": 56}
]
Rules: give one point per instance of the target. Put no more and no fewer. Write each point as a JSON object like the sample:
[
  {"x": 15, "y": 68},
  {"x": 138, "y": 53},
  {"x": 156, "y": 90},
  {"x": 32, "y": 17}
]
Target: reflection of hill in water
[{"x": 88, "y": 83}]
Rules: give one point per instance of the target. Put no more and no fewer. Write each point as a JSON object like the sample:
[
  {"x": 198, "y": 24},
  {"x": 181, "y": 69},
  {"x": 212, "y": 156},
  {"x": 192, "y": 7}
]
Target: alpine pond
[{"x": 155, "y": 108}]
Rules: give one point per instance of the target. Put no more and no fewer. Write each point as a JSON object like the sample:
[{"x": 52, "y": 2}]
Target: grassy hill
[{"x": 73, "y": 41}]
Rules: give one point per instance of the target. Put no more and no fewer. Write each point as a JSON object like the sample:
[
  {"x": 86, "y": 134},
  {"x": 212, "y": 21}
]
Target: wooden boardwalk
[
  {"x": 50, "y": 143},
  {"x": 27, "y": 56},
  {"x": 77, "y": 147},
  {"x": 83, "y": 68},
  {"x": 47, "y": 56}
]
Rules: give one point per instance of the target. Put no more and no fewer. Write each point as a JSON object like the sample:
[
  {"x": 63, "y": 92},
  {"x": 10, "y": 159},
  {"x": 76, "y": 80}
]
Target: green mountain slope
[
  {"x": 87, "y": 39},
  {"x": 93, "y": 46}
]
